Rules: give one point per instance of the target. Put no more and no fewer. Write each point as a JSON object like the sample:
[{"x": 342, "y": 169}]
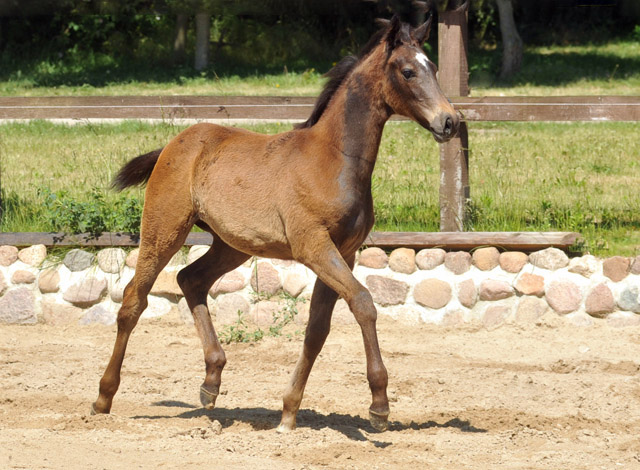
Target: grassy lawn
[{"x": 542, "y": 176}]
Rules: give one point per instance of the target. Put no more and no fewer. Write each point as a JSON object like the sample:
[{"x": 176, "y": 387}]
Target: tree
[
  {"x": 511, "y": 42},
  {"x": 203, "y": 35},
  {"x": 180, "y": 41}
]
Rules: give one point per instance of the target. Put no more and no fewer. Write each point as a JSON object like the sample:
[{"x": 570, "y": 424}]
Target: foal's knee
[{"x": 362, "y": 306}]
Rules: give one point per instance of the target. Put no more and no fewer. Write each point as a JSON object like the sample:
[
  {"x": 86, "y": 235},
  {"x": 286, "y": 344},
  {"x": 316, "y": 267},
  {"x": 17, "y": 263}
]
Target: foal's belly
[{"x": 250, "y": 230}]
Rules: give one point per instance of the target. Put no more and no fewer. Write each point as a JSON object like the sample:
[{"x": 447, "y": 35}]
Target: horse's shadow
[{"x": 353, "y": 427}]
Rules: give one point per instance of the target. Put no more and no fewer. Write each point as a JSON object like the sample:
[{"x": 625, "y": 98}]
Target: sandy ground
[{"x": 548, "y": 398}]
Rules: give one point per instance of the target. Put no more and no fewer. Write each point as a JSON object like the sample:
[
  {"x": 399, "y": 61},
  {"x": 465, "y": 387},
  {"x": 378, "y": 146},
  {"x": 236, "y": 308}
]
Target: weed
[
  {"x": 65, "y": 213},
  {"x": 240, "y": 332}
]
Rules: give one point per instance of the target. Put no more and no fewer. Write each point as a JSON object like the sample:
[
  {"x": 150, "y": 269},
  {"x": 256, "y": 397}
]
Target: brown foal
[{"x": 303, "y": 195}]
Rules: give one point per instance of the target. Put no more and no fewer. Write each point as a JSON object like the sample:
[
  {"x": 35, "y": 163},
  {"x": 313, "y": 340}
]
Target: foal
[{"x": 303, "y": 195}]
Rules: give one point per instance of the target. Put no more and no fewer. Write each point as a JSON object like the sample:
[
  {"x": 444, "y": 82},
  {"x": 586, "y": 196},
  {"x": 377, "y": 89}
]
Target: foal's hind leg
[
  {"x": 195, "y": 281},
  {"x": 323, "y": 301},
  {"x": 161, "y": 239}
]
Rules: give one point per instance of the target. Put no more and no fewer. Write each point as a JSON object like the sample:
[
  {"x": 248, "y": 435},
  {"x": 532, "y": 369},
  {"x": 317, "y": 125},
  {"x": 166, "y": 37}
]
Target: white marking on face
[{"x": 423, "y": 59}]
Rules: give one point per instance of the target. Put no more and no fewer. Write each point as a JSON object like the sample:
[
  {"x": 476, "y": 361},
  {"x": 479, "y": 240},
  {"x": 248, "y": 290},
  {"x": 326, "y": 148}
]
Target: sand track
[{"x": 545, "y": 397}]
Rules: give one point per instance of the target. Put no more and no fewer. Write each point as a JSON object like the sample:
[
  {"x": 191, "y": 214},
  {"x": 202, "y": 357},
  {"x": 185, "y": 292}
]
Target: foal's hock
[{"x": 303, "y": 195}]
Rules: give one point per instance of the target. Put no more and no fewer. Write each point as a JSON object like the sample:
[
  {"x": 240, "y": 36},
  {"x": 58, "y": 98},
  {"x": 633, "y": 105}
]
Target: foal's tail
[{"x": 137, "y": 171}]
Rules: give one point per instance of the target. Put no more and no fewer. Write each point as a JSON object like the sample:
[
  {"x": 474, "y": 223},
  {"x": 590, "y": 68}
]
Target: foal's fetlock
[
  {"x": 379, "y": 421},
  {"x": 208, "y": 397}
]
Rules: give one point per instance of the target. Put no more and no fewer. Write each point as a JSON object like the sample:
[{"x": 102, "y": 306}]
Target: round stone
[
  {"x": 549, "y": 258},
  {"x": 8, "y": 255},
  {"x": 430, "y": 258},
  {"x": 18, "y": 306},
  {"x": 458, "y": 262},
  {"x": 111, "y": 260},
  {"x": 86, "y": 293},
  {"x": 585, "y": 265},
  {"x": 22, "y": 276},
  {"x": 33, "y": 255},
  {"x": 600, "y": 301},
  {"x": 530, "y": 284},
  {"x": 294, "y": 284},
  {"x": 374, "y": 258},
  {"x": 78, "y": 260},
  {"x": 403, "y": 260},
  {"x": 231, "y": 307},
  {"x": 512, "y": 261},
  {"x": 49, "y": 281},
  {"x": 386, "y": 291},
  {"x": 432, "y": 293},
  {"x": 486, "y": 259},
  {"x": 563, "y": 296},
  {"x": 467, "y": 293},
  {"x": 491, "y": 289},
  {"x": 616, "y": 268},
  {"x": 265, "y": 279},
  {"x": 231, "y": 282},
  {"x": 132, "y": 258}
]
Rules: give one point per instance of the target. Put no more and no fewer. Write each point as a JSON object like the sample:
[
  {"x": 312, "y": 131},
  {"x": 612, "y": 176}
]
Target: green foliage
[
  {"x": 240, "y": 332},
  {"x": 65, "y": 213}
]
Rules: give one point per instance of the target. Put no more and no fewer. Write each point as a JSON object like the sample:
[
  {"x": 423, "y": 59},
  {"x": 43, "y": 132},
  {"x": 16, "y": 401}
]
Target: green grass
[
  {"x": 591, "y": 69},
  {"x": 524, "y": 176},
  {"x": 612, "y": 68}
]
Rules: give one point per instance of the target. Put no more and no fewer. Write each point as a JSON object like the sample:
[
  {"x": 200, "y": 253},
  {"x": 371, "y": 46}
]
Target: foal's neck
[{"x": 356, "y": 117}]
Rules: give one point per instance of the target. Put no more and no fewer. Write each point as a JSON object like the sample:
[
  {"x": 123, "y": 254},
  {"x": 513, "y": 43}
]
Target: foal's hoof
[
  {"x": 287, "y": 424},
  {"x": 207, "y": 398},
  {"x": 284, "y": 428},
  {"x": 95, "y": 411},
  {"x": 379, "y": 421}
]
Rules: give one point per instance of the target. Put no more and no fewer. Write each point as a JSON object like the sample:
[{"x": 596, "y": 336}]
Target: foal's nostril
[{"x": 448, "y": 126}]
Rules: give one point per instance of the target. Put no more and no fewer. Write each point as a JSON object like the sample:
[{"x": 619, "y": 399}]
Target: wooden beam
[
  {"x": 523, "y": 241},
  {"x": 487, "y": 108},
  {"x": 549, "y": 108},
  {"x": 157, "y": 107},
  {"x": 465, "y": 241}
]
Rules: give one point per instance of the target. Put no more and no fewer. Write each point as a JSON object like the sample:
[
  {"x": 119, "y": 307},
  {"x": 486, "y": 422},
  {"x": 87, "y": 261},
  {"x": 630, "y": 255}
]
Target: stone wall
[{"x": 486, "y": 288}]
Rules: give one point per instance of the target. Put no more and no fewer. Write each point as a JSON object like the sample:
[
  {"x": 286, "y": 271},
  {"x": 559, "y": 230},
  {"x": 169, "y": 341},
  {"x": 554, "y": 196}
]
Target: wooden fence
[
  {"x": 454, "y": 180},
  {"x": 279, "y": 108}
]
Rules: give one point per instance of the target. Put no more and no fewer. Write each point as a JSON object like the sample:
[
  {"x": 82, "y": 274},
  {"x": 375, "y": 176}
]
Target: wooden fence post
[{"x": 453, "y": 76}]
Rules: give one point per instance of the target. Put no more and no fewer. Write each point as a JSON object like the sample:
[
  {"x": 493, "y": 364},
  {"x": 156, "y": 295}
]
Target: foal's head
[{"x": 411, "y": 88}]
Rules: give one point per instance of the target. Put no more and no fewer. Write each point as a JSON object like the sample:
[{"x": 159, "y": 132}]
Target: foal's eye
[{"x": 408, "y": 73}]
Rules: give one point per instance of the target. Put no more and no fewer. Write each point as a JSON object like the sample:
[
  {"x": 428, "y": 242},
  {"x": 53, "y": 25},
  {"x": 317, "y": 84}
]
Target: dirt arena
[{"x": 548, "y": 397}]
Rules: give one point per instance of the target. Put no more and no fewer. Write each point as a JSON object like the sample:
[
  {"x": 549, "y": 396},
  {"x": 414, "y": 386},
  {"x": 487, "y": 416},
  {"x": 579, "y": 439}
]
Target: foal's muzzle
[{"x": 445, "y": 127}]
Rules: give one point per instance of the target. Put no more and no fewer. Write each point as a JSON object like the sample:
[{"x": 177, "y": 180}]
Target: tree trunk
[
  {"x": 180, "y": 42},
  {"x": 203, "y": 33},
  {"x": 511, "y": 42}
]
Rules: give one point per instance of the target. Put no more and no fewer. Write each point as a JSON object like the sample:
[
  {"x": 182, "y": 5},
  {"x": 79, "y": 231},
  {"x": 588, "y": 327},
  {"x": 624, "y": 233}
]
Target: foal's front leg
[
  {"x": 327, "y": 262},
  {"x": 323, "y": 300}
]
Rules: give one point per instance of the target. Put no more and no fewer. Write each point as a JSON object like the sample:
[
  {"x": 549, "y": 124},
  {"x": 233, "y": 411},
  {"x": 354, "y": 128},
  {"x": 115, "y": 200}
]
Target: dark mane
[{"x": 336, "y": 76}]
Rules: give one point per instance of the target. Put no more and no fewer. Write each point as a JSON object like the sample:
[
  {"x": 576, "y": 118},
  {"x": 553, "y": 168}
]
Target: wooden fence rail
[
  {"x": 522, "y": 241},
  {"x": 264, "y": 108}
]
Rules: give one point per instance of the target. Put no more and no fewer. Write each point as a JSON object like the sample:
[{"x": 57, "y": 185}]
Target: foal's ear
[
  {"x": 392, "y": 35},
  {"x": 421, "y": 33}
]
